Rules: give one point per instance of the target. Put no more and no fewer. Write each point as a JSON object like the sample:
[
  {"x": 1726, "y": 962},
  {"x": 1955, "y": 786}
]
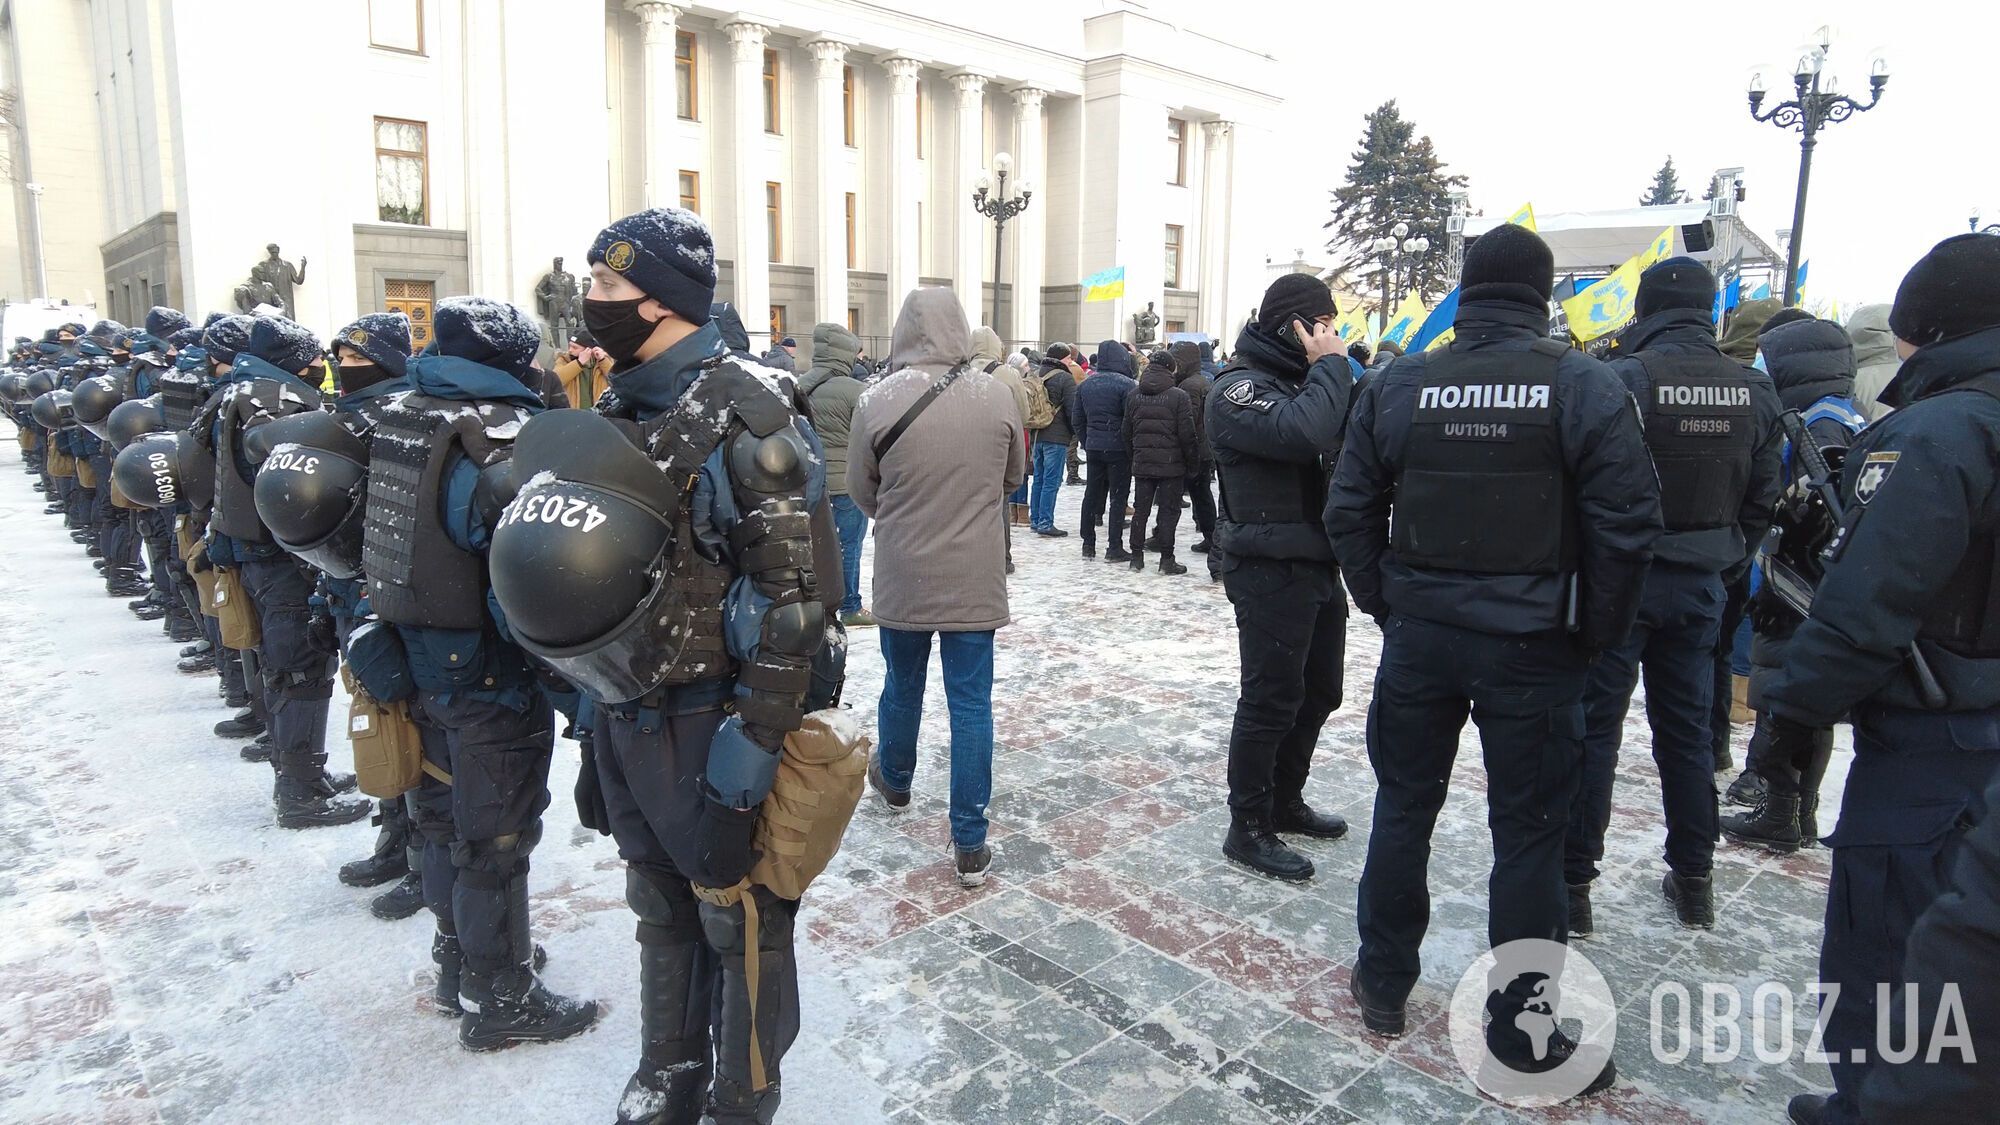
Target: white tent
[{"x": 1596, "y": 242}]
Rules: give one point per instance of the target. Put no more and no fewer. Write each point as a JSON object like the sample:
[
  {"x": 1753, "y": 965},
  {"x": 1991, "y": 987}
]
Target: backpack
[{"x": 1041, "y": 412}]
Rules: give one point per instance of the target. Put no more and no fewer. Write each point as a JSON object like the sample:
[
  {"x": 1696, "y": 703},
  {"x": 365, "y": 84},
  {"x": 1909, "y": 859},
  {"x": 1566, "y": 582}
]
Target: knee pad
[
  {"x": 723, "y": 926},
  {"x": 665, "y": 905}
]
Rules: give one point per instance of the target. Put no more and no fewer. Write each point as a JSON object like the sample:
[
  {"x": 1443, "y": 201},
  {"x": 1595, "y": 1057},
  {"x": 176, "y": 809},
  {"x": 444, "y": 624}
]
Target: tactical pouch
[
  {"x": 26, "y": 439},
  {"x": 388, "y": 750},
  {"x": 191, "y": 549},
  {"x": 61, "y": 464},
  {"x": 234, "y": 614},
  {"x": 120, "y": 500},
  {"x": 86, "y": 473},
  {"x": 800, "y": 824}
]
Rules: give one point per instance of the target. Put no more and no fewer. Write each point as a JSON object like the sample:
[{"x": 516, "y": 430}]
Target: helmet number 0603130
[{"x": 569, "y": 511}]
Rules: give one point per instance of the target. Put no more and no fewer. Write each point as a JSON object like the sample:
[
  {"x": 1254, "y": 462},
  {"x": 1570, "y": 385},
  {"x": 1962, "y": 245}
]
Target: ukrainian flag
[
  {"x": 1106, "y": 285},
  {"x": 1437, "y": 324}
]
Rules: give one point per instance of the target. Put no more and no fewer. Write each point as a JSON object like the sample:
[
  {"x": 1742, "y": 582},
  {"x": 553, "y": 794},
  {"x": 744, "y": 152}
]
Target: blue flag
[{"x": 1436, "y": 323}]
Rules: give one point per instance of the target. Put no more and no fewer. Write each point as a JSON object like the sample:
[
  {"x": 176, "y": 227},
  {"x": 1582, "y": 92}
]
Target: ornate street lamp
[
  {"x": 999, "y": 208},
  {"x": 1399, "y": 252},
  {"x": 1817, "y": 103},
  {"x": 1989, "y": 228}
]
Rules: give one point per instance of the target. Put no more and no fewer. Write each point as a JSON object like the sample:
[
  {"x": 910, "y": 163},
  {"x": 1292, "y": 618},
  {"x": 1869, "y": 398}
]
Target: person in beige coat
[
  {"x": 1875, "y": 358},
  {"x": 935, "y": 447}
]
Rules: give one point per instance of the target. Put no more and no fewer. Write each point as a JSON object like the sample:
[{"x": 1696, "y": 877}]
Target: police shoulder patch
[
  {"x": 1241, "y": 392},
  {"x": 1875, "y": 470}
]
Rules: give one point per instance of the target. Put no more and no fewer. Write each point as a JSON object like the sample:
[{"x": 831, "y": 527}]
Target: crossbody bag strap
[{"x": 923, "y": 403}]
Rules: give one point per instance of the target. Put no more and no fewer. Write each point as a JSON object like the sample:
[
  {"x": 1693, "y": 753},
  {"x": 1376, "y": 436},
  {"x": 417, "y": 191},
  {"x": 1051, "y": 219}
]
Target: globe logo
[{"x": 1561, "y": 1029}]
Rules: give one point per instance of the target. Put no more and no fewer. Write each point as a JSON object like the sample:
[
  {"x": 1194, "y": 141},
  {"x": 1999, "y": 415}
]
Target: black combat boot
[
  {"x": 1377, "y": 1015},
  {"x": 450, "y": 967},
  {"x": 1580, "y": 921},
  {"x": 1806, "y": 1109},
  {"x": 152, "y": 598},
  {"x": 1809, "y": 819},
  {"x": 510, "y": 1004},
  {"x": 676, "y": 993},
  {"x": 747, "y": 1087},
  {"x": 124, "y": 582},
  {"x": 1747, "y": 790},
  {"x": 258, "y": 751},
  {"x": 181, "y": 629},
  {"x": 391, "y": 857},
  {"x": 199, "y": 648},
  {"x": 1693, "y": 900},
  {"x": 1137, "y": 562},
  {"x": 1169, "y": 566},
  {"x": 1252, "y": 844},
  {"x": 1773, "y": 825},
  {"x": 303, "y": 804},
  {"x": 197, "y": 664},
  {"x": 244, "y": 724},
  {"x": 1293, "y": 816},
  {"x": 401, "y": 900},
  {"x": 1516, "y": 1051},
  {"x": 148, "y": 611},
  {"x": 1202, "y": 546},
  {"x": 1117, "y": 554}
]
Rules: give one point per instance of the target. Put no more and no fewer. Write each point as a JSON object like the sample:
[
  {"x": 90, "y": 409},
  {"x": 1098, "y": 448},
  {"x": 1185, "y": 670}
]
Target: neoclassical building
[{"x": 409, "y": 150}]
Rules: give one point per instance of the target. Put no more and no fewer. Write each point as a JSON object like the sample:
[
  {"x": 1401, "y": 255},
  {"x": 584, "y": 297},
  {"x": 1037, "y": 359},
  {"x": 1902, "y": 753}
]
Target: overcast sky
[{"x": 1538, "y": 103}]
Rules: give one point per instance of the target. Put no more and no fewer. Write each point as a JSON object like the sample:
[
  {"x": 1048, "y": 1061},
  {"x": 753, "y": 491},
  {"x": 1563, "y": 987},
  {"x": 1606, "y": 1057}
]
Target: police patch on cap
[
  {"x": 1874, "y": 472},
  {"x": 618, "y": 256},
  {"x": 358, "y": 337}
]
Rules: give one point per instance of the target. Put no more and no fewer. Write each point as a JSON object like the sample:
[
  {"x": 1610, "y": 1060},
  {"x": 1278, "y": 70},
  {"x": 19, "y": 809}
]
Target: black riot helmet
[
  {"x": 197, "y": 469},
  {"x": 53, "y": 411},
  {"x": 13, "y": 385},
  {"x": 312, "y": 488},
  {"x": 576, "y": 561},
  {"x": 94, "y": 399},
  {"x": 148, "y": 472},
  {"x": 40, "y": 382},
  {"x": 134, "y": 418}
]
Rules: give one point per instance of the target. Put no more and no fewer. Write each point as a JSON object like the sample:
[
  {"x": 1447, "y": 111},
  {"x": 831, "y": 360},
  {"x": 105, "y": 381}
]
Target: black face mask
[
  {"x": 358, "y": 376},
  {"x": 619, "y": 328}
]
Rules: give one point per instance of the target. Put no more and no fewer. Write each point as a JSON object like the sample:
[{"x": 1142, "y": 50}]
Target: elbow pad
[
  {"x": 494, "y": 490},
  {"x": 778, "y": 463}
]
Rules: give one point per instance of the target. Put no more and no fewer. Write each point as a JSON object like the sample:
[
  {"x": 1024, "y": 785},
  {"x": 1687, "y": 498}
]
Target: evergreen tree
[
  {"x": 1666, "y": 187},
  {"x": 1395, "y": 176}
]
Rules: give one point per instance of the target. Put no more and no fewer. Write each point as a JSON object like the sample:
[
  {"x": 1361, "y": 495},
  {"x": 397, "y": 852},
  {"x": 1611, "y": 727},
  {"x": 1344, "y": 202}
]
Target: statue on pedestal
[
  {"x": 560, "y": 304},
  {"x": 272, "y": 280},
  {"x": 1145, "y": 325}
]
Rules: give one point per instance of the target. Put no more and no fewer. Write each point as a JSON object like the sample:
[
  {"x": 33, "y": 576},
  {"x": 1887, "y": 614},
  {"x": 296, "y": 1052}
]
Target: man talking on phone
[{"x": 1275, "y": 417}]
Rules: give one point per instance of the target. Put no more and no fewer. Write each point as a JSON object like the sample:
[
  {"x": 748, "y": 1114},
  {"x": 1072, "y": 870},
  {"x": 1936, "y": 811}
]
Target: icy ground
[{"x": 168, "y": 954}]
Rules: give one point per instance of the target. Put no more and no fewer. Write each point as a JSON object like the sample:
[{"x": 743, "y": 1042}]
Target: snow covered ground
[{"x": 168, "y": 954}]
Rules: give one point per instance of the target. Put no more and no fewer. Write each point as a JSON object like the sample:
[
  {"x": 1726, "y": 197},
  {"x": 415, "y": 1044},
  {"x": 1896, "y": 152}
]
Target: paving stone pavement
[{"x": 1113, "y": 969}]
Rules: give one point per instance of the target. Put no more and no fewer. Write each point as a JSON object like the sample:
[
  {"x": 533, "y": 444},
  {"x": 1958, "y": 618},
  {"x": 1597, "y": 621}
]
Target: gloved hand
[
  {"x": 320, "y": 635},
  {"x": 740, "y": 766},
  {"x": 1770, "y": 614},
  {"x": 199, "y": 563},
  {"x": 591, "y": 811}
]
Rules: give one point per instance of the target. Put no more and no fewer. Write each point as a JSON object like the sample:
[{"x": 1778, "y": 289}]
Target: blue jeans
[
  {"x": 849, "y": 521},
  {"x": 968, "y": 690},
  {"x": 1048, "y": 473}
]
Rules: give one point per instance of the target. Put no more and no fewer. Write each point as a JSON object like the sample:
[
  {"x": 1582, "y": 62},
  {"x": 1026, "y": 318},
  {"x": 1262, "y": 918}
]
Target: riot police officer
[
  {"x": 669, "y": 573},
  {"x": 1274, "y": 418},
  {"x": 1903, "y": 639},
  {"x": 1495, "y": 511},
  {"x": 436, "y": 457},
  {"x": 275, "y": 375},
  {"x": 222, "y": 338},
  {"x": 1712, "y": 428}
]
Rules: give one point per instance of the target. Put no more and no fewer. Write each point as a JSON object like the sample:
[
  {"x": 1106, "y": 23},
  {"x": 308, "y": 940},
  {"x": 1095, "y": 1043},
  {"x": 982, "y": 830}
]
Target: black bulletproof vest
[
  {"x": 1257, "y": 490},
  {"x": 1700, "y": 430},
  {"x": 1483, "y": 485},
  {"x": 181, "y": 394},
  {"x": 235, "y": 499},
  {"x": 416, "y": 575},
  {"x": 1965, "y": 618}
]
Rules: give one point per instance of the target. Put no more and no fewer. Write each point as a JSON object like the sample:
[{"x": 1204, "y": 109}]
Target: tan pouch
[
  {"x": 120, "y": 500},
  {"x": 86, "y": 473},
  {"x": 800, "y": 825},
  {"x": 60, "y": 464},
  {"x": 234, "y": 614},
  {"x": 189, "y": 540},
  {"x": 388, "y": 749},
  {"x": 26, "y": 439}
]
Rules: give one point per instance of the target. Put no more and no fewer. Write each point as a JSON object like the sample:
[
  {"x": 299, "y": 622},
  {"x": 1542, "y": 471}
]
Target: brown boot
[{"x": 1739, "y": 701}]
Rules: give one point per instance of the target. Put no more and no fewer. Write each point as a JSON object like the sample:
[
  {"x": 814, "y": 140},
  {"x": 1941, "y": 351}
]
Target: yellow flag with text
[
  {"x": 1353, "y": 324},
  {"x": 1607, "y": 306},
  {"x": 1404, "y": 322},
  {"x": 1525, "y": 217}
]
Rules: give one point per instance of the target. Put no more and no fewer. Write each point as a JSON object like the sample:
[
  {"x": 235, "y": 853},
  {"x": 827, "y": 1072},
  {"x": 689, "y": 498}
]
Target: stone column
[
  {"x": 1031, "y": 154},
  {"x": 905, "y": 188},
  {"x": 657, "y": 25},
  {"x": 751, "y": 250},
  {"x": 1217, "y": 184},
  {"x": 830, "y": 156},
  {"x": 967, "y": 268}
]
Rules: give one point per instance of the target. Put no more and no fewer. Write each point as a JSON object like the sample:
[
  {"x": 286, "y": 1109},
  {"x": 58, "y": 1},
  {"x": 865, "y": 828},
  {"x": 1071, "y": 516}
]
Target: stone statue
[
  {"x": 560, "y": 303},
  {"x": 277, "y": 277},
  {"x": 253, "y": 293},
  {"x": 1145, "y": 325}
]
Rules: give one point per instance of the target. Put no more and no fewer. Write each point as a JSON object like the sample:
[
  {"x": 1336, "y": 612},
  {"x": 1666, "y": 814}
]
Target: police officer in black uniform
[
  {"x": 667, "y": 569},
  {"x": 1904, "y": 641},
  {"x": 1494, "y": 511},
  {"x": 1274, "y": 418},
  {"x": 221, "y": 339},
  {"x": 1712, "y": 428}
]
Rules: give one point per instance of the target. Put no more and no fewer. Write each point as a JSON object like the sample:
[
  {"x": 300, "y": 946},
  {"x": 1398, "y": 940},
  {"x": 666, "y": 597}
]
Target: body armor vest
[
  {"x": 181, "y": 395},
  {"x": 1256, "y": 490},
  {"x": 1965, "y": 617},
  {"x": 1483, "y": 486},
  {"x": 235, "y": 500},
  {"x": 417, "y": 576},
  {"x": 1700, "y": 428}
]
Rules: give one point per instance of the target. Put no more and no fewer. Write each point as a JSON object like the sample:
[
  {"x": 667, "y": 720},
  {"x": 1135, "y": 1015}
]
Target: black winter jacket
[
  {"x": 1159, "y": 424},
  {"x": 1190, "y": 376},
  {"x": 1273, "y": 417},
  {"x": 1061, "y": 387},
  {"x": 1097, "y": 410}
]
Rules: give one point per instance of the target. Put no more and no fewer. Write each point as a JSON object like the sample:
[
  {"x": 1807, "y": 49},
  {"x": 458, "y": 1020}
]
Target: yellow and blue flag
[
  {"x": 1525, "y": 217},
  {"x": 1403, "y": 324},
  {"x": 1105, "y": 285},
  {"x": 1353, "y": 324},
  {"x": 1606, "y": 307},
  {"x": 1437, "y": 324},
  {"x": 1799, "y": 290}
]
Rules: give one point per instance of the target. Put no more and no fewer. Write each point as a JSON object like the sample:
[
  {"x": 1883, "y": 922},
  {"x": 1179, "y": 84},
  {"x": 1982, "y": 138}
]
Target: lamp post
[
  {"x": 1816, "y": 103},
  {"x": 1399, "y": 251},
  {"x": 1973, "y": 222},
  {"x": 999, "y": 208}
]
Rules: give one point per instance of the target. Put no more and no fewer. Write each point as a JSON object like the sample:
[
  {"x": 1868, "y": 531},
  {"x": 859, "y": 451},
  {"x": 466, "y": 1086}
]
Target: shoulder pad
[
  {"x": 754, "y": 398},
  {"x": 774, "y": 462}
]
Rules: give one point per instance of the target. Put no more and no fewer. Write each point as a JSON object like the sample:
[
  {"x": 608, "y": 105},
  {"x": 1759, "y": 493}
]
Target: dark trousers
[
  {"x": 1790, "y": 771},
  {"x": 479, "y": 829},
  {"x": 1917, "y": 785},
  {"x": 1201, "y": 499},
  {"x": 1525, "y": 693},
  {"x": 1108, "y": 478},
  {"x": 1167, "y": 492},
  {"x": 1725, "y": 645},
  {"x": 1674, "y": 639},
  {"x": 296, "y": 676},
  {"x": 1291, "y": 633}
]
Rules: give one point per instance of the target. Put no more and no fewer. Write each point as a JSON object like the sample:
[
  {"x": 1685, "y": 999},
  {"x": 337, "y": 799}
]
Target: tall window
[
  {"x": 774, "y": 219},
  {"x": 691, "y": 191},
  {"x": 402, "y": 172},
  {"x": 854, "y": 320},
  {"x": 847, "y": 105},
  {"x": 920, "y": 119},
  {"x": 1176, "y": 151},
  {"x": 772, "y": 122},
  {"x": 777, "y": 324},
  {"x": 684, "y": 88},
  {"x": 850, "y": 232},
  {"x": 396, "y": 25},
  {"x": 1173, "y": 256}
]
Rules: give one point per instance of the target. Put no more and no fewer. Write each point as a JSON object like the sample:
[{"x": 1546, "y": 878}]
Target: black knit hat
[
  {"x": 163, "y": 322},
  {"x": 1508, "y": 263},
  {"x": 1294, "y": 295},
  {"x": 225, "y": 336},
  {"x": 1783, "y": 317},
  {"x": 666, "y": 251},
  {"x": 284, "y": 344},
  {"x": 1677, "y": 283},
  {"x": 489, "y": 332},
  {"x": 384, "y": 337},
  {"x": 1953, "y": 291}
]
